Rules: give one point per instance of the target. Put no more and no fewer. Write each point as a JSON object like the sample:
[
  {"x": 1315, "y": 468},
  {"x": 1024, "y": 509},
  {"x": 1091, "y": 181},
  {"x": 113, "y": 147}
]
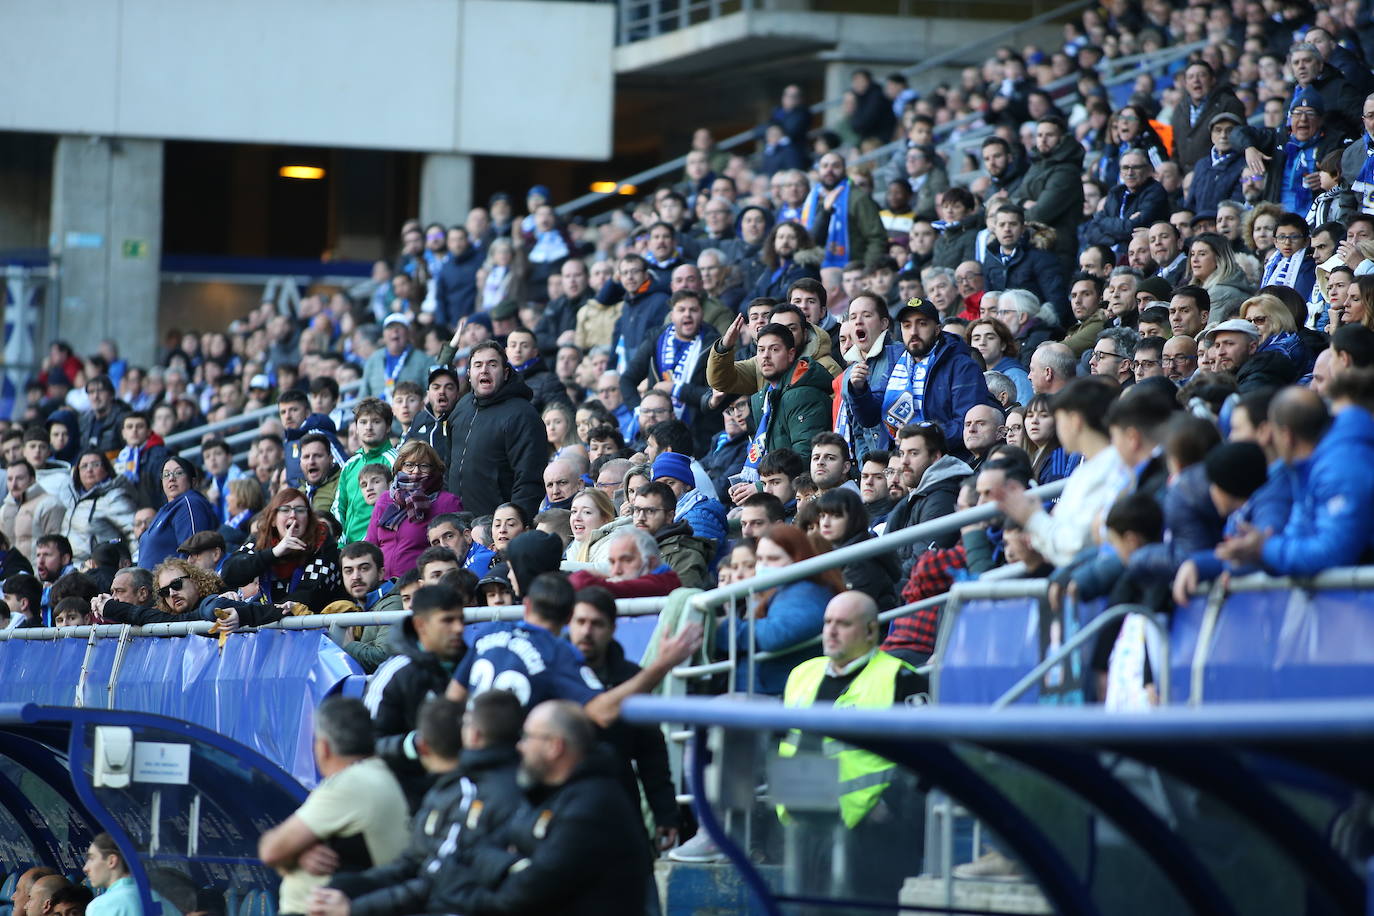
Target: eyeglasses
[
  {"x": 1147, "y": 363},
  {"x": 646, "y": 510},
  {"x": 609, "y": 486},
  {"x": 415, "y": 467},
  {"x": 1103, "y": 354},
  {"x": 739, "y": 408},
  {"x": 173, "y": 475},
  {"x": 654, "y": 411},
  {"x": 293, "y": 510},
  {"x": 1132, "y": 168},
  {"x": 173, "y": 586},
  {"x": 1287, "y": 237}
]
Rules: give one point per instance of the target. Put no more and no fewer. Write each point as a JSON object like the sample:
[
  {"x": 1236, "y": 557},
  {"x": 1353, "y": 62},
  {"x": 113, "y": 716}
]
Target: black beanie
[{"x": 1238, "y": 468}]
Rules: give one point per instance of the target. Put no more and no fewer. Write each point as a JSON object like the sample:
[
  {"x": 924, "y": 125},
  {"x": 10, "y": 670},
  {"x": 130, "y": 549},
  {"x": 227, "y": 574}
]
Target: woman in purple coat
[{"x": 400, "y": 520}]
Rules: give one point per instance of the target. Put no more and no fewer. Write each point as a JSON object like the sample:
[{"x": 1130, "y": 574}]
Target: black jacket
[
  {"x": 578, "y": 851},
  {"x": 1268, "y": 369},
  {"x": 464, "y": 806},
  {"x": 251, "y": 613},
  {"x": 498, "y": 450},
  {"x": 560, "y": 316},
  {"x": 319, "y": 585},
  {"x": 641, "y": 748},
  {"x": 545, "y": 388},
  {"x": 934, "y": 497},
  {"x": 426, "y": 427},
  {"x": 1114, "y": 223},
  {"x": 455, "y": 288},
  {"x": 394, "y": 695},
  {"x": 876, "y": 577}
]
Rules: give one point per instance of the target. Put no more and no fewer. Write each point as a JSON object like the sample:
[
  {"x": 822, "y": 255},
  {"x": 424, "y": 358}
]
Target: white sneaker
[
  {"x": 991, "y": 866},
  {"x": 700, "y": 849}
]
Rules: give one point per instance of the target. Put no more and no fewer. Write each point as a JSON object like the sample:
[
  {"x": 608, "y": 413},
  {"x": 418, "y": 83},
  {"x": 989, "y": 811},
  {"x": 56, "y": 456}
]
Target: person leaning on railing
[
  {"x": 293, "y": 557},
  {"x": 183, "y": 591}
]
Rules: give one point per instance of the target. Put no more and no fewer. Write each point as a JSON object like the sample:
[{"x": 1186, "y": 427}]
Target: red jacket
[{"x": 654, "y": 585}]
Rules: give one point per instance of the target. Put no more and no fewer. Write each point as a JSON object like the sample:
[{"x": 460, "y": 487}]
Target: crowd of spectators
[{"x": 1160, "y": 292}]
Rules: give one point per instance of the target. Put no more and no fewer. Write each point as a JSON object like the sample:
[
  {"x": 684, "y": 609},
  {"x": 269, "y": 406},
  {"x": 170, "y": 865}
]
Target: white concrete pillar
[
  {"x": 106, "y": 237},
  {"x": 445, "y": 188}
]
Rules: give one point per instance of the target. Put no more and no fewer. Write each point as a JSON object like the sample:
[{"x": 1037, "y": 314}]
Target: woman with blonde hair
[
  {"x": 1258, "y": 227},
  {"x": 1212, "y": 265},
  {"x": 593, "y": 517},
  {"x": 1278, "y": 330},
  {"x": 400, "y": 519},
  {"x": 501, "y": 276}
]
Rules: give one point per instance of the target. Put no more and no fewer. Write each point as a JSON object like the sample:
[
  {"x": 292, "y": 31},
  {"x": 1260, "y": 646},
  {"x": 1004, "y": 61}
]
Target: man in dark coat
[
  {"x": 1216, "y": 176},
  {"x": 674, "y": 360},
  {"x": 100, "y": 425},
  {"x": 1013, "y": 263},
  {"x": 1192, "y": 119},
  {"x": 576, "y": 849},
  {"x": 455, "y": 288},
  {"x": 426, "y": 648},
  {"x": 471, "y": 797},
  {"x": 1052, "y": 191},
  {"x": 560, "y": 316},
  {"x": 1136, "y": 203},
  {"x": 1005, "y": 165},
  {"x": 641, "y": 748},
  {"x": 644, "y": 308},
  {"x": 498, "y": 445},
  {"x": 522, "y": 351},
  {"x": 431, "y": 422},
  {"x": 1236, "y": 341}
]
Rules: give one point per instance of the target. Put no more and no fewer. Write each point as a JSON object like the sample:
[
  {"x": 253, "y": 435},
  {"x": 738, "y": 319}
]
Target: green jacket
[
  {"x": 350, "y": 508},
  {"x": 1083, "y": 336},
  {"x": 688, "y": 555},
  {"x": 371, "y": 649},
  {"x": 801, "y": 408}
]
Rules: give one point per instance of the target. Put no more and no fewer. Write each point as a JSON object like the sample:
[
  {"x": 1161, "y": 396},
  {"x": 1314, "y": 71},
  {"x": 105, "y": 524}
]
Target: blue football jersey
[{"x": 527, "y": 660}]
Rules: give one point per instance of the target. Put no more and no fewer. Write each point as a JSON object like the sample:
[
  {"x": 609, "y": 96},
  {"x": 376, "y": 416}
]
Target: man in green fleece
[{"x": 372, "y": 418}]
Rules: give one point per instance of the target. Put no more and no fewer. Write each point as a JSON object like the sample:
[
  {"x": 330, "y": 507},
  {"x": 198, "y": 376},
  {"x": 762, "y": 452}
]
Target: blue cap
[
  {"x": 541, "y": 191},
  {"x": 678, "y": 467},
  {"x": 1308, "y": 98}
]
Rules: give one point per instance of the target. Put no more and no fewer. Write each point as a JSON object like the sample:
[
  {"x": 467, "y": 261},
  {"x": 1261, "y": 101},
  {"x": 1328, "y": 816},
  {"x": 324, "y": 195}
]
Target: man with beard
[
  {"x": 577, "y": 848},
  {"x": 498, "y": 445},
  {"x": 934, "y": 379},
  {"x": 641, "y": 749},
  {"x": 845, "y": 222},
  {"x": 794, "y": 404},
  {"x": 360, "y": 566},
  {"x": 873, "y": 487},
  {"x": 673, "y": 361},
  {"x": 431, "y": 422},
  {"x": 558, "y": 324}
]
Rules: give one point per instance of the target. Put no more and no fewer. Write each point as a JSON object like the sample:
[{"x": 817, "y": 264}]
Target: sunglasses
[{"x": 173, "y": 586}]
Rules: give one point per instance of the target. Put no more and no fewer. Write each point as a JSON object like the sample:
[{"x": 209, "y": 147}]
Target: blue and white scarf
[
  {"x": 904, "y": 398},
  {"x": 789, "y": 214},
  {"x": 758, "y": 445},
  {"x": 1364, "y": 182},
  {"x": 677, "y": 361},
  {"x": 837, "y": 234},
  {"x": 1281, "y": 271}
]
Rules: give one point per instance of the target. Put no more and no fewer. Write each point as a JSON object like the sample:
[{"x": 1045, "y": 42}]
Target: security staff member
[{"x": 881, "y": 813}]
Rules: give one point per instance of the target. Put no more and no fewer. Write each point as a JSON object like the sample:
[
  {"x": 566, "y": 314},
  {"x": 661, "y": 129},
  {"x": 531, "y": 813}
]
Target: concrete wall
[{"x": 424, "y": 75}]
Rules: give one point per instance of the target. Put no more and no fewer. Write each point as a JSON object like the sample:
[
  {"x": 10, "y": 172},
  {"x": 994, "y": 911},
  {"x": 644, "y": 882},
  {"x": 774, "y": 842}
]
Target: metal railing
[
  {"x": 195, "y": 434},
  {"x": 962, "y": 52}
]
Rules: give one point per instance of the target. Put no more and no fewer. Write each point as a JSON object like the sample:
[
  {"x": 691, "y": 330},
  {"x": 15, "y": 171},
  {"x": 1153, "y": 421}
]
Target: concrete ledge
[{"x": 707, "y": 890}]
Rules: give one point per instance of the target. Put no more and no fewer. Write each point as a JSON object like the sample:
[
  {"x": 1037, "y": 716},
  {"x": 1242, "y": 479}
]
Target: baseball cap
[
  {"x": 539, "y": 190},
  {"x": 1238, "y": 325},
  {"x": 671, "y": 464},
  {"x": 441, "y": 370},
  {"x": 503, "y": 310},
  {"x": 917, "y": 306},
  {"x": 396, "y": 318},
  {"x": 1224, "y": 117},
  {"x": 260, "y": 381}
]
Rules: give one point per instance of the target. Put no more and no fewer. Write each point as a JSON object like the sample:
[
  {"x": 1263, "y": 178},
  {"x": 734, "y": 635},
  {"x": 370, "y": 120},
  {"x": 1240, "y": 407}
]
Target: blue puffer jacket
[
  {"x": 795, "y": 614},
  {"x": 707, "y": 518},
  {"x": 1192, "y": 522},
  {"x": 953, "y": 386},
  {"x": 1332, "y": 522},
  {"x": 1267, "y": 509},
  {"x": 1290, "y": 345}
]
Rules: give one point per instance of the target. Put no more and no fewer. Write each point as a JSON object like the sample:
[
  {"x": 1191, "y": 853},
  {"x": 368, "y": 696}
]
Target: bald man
[
  {"x": 24, "y": 885},
  {"x": 578, "y": 847},
  {"x": 855, "y": 672},
  {"x": 40, "y": 902}
]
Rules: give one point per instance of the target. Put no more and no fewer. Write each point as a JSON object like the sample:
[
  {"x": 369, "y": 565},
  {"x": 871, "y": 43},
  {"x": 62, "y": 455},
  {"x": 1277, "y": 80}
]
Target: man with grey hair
[
  {"x": 1052, "y": 366},
  {"x": 1137, "y": 202},
  {"x": 1030, "y": 322},
  {"x": 1341, "y": 98},
  {"x": 1001, "y": 388},
  {"x": 1112, "y": 355},
  {"x": 942, "y": 290},
  {"x": 1120, "y": 295},
  {"x": 133, "y": 585},
  {"x": 1357, "y": 154},
  {"x": 354, "y": 819},
  {"x": 636, "y": 566}
]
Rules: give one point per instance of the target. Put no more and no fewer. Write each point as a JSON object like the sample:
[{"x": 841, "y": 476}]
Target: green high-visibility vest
[{"x": 863, "y": 775}]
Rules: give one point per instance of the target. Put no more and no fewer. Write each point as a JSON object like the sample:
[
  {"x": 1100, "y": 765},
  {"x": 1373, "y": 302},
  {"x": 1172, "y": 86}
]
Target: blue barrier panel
[
  {"x": 261, "y": 690},
  {"x": 1240, "y": 662},
  {"x": 992, "y": 644},
  {"x": 1184, "y": 627}
]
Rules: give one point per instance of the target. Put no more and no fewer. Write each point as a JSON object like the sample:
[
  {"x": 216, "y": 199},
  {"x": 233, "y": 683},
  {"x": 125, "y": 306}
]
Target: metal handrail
[
  {"x": 773, "y": 578},
  {"x": 754, "y": 133},
  {"x": 625, "y": 607},
  {"x": 195, "y": 433},
  {"x": 1082, "y": 636}
]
